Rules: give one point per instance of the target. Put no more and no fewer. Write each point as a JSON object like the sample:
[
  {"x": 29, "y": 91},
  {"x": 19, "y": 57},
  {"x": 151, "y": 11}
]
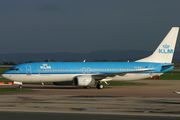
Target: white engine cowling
[{"x": 84, "y": 80}]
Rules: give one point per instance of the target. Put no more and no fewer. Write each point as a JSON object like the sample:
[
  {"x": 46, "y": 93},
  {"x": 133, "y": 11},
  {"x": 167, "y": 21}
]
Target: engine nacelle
[{"x": 84, "y": 80}]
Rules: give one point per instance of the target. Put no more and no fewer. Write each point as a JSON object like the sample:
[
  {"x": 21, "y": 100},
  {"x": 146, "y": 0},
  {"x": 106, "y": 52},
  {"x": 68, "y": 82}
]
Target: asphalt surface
[{"x": 152, "y": 100}]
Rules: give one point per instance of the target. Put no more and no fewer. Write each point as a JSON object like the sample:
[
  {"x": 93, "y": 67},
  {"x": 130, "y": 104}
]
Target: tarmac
[{"x": 153, "y": 98}]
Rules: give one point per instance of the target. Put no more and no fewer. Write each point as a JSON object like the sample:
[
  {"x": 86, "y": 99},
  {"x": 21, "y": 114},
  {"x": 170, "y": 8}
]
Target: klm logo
[
  {"x": 85, "y": 80},
  {"x": 166, "y": 50},
  {"x": 45, "y": 66}
]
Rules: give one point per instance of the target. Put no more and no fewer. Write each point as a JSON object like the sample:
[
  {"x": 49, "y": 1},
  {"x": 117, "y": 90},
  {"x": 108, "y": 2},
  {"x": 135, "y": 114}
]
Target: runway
[{"x": 154, "y": 98}]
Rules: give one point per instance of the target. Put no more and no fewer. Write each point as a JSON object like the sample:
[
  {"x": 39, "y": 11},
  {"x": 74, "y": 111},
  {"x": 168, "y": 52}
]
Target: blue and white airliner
[{"x": 85, "y": 74}]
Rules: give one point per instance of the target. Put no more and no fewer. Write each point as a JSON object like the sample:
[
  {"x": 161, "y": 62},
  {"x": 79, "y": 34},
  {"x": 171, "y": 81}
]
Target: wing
[{"x": 105, "y": 75}]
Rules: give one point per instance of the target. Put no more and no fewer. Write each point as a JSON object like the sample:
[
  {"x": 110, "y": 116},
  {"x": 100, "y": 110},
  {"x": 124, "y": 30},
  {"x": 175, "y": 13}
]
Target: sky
[{"x": 83, "y": 26}]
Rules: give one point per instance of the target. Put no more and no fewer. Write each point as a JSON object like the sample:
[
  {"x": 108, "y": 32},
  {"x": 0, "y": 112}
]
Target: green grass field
[
  {"x": 5, "y": 90},
  {"x": 121, "y": 83},
  {"x": 3, "y": 69},
  {"x": 170, "y": 76}
]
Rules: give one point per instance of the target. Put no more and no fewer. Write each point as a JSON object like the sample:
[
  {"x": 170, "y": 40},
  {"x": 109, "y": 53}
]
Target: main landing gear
[{"x": 99, "y": 86}]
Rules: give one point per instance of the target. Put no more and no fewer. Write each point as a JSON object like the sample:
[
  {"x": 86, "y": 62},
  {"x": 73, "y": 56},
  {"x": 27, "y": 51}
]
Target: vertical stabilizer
[{"x": 165, "y": 51}]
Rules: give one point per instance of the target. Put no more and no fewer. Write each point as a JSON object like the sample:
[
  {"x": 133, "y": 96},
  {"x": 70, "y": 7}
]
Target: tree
[
  {"x": 5, "y": 63},
  {"x": 12, "y": 63},
  {"x": 78, "y": 60},
  {"x": 104, "y": 60}
]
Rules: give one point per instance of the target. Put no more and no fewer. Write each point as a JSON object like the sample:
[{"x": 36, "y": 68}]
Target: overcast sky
[{"x": 82, "y": 26}]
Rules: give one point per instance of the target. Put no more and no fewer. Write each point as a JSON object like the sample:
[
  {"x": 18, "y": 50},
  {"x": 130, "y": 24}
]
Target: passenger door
[{"x": 28, "y": 70}]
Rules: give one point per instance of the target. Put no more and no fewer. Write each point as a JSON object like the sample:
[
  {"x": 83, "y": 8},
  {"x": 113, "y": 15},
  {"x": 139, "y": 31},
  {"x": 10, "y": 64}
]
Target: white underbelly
[{"x": 39, "y": 77}]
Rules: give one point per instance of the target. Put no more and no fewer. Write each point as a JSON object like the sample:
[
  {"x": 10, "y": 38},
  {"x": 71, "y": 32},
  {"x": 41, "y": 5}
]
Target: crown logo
[
  {"x": 166, "y": 46},
  {"x": 44, "y": 64}
]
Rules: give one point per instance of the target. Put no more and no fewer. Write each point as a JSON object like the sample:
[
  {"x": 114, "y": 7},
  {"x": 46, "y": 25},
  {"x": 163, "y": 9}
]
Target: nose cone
[{"x": 4, "y": 74}]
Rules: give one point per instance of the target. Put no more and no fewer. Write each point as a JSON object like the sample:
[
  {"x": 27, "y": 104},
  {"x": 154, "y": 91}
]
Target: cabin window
[{"x": 71, "y": 69}]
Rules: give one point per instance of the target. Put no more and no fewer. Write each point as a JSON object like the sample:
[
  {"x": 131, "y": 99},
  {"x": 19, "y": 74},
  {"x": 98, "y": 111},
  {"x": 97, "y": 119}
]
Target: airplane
[{"x": 85, "y": 74}]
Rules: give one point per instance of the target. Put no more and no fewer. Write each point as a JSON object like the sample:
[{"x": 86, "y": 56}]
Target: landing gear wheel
[
  {"x": 20, "y": 87},
  {"x": 100, "y": 86}
]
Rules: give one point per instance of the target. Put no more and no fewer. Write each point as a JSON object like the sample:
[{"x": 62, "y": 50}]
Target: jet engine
[{"x": 84, "y": 81}]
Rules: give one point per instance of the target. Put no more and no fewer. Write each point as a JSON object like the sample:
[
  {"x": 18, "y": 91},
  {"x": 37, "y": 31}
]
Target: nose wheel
[{"x": 99, "y": 86}]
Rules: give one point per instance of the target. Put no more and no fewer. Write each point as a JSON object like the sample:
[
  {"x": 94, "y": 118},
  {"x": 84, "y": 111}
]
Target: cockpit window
[{"x": 14, "y": 68}]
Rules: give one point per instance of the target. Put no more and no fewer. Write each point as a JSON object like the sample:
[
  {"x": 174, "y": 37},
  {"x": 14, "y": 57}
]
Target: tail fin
[{"x": 165, "y": 51}]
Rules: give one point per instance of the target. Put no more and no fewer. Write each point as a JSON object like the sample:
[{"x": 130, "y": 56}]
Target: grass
[
  {"x": 3, "y": 69},
  {"x": 172, "y": 75},
  {"x": 121, "y": 83},
  {"x": 5, "y": 90},
  {"x": 4, "y": 80}
]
